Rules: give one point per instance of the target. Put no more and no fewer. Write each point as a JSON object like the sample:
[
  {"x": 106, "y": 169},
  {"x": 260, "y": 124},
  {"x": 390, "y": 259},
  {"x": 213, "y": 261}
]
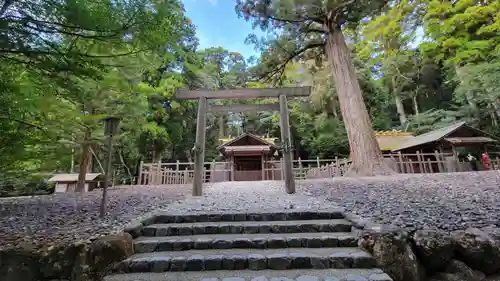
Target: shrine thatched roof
[{"x": 447, "y": 134}]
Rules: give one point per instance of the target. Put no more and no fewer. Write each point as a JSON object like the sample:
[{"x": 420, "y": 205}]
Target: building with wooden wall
[
  {"x": 68, "y": 182},
  {"x": 248, "y": 158},
  {"x": 448, "y": 139}
]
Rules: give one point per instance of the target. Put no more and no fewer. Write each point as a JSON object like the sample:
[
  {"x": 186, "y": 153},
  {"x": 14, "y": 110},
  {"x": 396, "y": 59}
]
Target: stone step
[
  {"x": 261, "y": 275},
  {"x": 234, "y": 241},
  {"x": 249, "y": 216},
  {"x": 253, "y": 259},
  {"x": 249, "y": 227}
]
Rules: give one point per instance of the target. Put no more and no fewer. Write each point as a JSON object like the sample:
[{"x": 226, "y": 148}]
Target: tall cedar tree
[{"x": 312, "y": 28}]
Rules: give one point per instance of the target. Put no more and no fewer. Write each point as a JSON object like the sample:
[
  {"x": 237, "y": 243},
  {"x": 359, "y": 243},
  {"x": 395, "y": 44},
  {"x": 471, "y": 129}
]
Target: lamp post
[{"x": 110, "y": 130}]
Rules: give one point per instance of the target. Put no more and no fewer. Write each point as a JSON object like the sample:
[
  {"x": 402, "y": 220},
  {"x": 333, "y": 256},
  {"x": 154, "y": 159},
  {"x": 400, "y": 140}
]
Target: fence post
[
  {"x": 263, "y": 167},
  {"x": 232, "y": 168},
  {"x": 395, "y": 161},
  {"x": 282, "y": 169},
  {"x": 401, "y": 164},
  {"x": 177, "y": 170},
  {"x": 431, "y": 170},
  {"x": 337, "y": 167},
  {"x": 165, "y": 176},
  {"x": 300, "y": 169},
  {"x": 158, "y": 173},
  {"x": 272, "y": 167},
  {"x": 422, "y": 170},
  {"x": 212, "y": 173},
  {"x": 186, "y": 174},
  {"x": 440, "y": 164},
  {"x": 139, "y": 178},
  {"x": 409, "y": 168},
  {"x": 151, "y": 174},
  {"x": 317, "y": 161}
]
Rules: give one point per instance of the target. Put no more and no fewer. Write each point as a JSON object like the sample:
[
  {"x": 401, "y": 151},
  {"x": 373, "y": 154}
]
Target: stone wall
[
  {"x": 430, "y": 255},
  {"x": 79, "y": 261}
]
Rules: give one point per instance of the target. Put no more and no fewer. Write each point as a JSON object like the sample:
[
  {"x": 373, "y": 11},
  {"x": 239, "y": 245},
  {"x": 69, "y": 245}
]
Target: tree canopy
[{"x": 373, "y": 65}]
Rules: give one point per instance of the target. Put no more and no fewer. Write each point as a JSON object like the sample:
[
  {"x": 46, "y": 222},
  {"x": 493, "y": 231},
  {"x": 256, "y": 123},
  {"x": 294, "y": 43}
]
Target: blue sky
[{"x": 217, "y": 24}]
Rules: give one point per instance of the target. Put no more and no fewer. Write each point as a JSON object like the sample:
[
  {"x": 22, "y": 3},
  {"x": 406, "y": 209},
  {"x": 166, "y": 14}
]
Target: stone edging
[
  {"x": 134, "y": 228},
  {"x": 468, "y": 255},
  {"x": 76, "y": 261}
]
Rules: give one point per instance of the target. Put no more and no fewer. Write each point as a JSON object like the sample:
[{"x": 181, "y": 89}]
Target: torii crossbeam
[{"x": 203, "y": 95}]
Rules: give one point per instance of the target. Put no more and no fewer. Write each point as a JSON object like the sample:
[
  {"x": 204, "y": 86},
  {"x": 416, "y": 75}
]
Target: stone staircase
[{"x": 278, "y": 246}]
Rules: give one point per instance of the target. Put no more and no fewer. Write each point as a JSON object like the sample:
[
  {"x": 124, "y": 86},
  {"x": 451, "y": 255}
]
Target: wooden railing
[
  {"x": 408, "y": 163},
  {"x": 335, "y": 168},
  {"x": 183, "y": 173},
  {"x": 179, "y": 173}
]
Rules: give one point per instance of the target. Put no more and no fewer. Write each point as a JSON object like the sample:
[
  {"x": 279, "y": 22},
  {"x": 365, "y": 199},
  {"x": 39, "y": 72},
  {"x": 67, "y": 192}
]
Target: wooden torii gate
[{"x": 203, "y": 95}]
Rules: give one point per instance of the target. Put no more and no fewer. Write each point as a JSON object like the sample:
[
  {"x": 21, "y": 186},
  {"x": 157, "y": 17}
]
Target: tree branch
[
  {"x": 41, "y": 52},
  {"x": 25, "y": 123},
  {"x": 48, "y": 30},
  {"x": 313, "y": 30},
  {"x": 27, "y": 19},
  {"x": 97, "y": 159},
  {"x": 5, "y": 6},
  {"x": 309, "y": 29},
  {"x": 339, "y": 8},
  {"x": 303, "y": 20},
  {"x": 281, "y": 67}
]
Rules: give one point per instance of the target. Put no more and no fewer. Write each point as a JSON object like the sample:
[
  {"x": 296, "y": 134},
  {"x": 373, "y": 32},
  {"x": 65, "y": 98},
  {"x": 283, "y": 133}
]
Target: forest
[{"x": 66, "y": 65}]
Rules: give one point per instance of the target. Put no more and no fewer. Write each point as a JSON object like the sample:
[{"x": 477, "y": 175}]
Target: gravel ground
[
  {"x": 447, "y": 202},
  {"x": 42, "y": 220},
  {"x": 48, "y": 219}
]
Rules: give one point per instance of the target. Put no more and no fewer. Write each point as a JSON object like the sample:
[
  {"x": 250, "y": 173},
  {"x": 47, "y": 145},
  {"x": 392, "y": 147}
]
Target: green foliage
[
  {"x": 328, "y": 139},
  {"x": 302, "y": 25},
  {"x": 462, "y": 31},
  {"x": 68, "y": 64}
]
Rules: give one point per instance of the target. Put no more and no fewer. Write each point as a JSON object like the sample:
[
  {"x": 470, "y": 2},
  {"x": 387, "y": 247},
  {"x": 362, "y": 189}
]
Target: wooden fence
[
  {"x": 183, "y": 172},
  {"x": 408, "y": 163}
]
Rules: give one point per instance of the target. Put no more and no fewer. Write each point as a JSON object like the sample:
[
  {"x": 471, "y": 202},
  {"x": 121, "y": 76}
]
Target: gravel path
[
  {"x": 45, "y": 219},
  {"x": 249, "y": 196},
  {"x": 438, "y": 201}
]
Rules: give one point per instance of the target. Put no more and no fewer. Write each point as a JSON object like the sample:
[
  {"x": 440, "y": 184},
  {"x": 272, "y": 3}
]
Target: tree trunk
[
  {"x": 494, "y": 120},
  {"x": 470, "y": 100},
  {"x": 365, "y": 152},
  {"x": 469, "y": 95},
  {"x": 400, "y": 108},
  {"x": 399, "y": 103},
  {"x": 189, "y": 156},
  {"x": 221, "y": 126},
  {"x": 85, "y": 159},
  {"x": 415, "y": 105},
  {"x": 157, "y": 154},
  {"x": 334, "y": 108},
  {"x": 496, "y": 107},
  {"x": 126, "y": 166}
]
